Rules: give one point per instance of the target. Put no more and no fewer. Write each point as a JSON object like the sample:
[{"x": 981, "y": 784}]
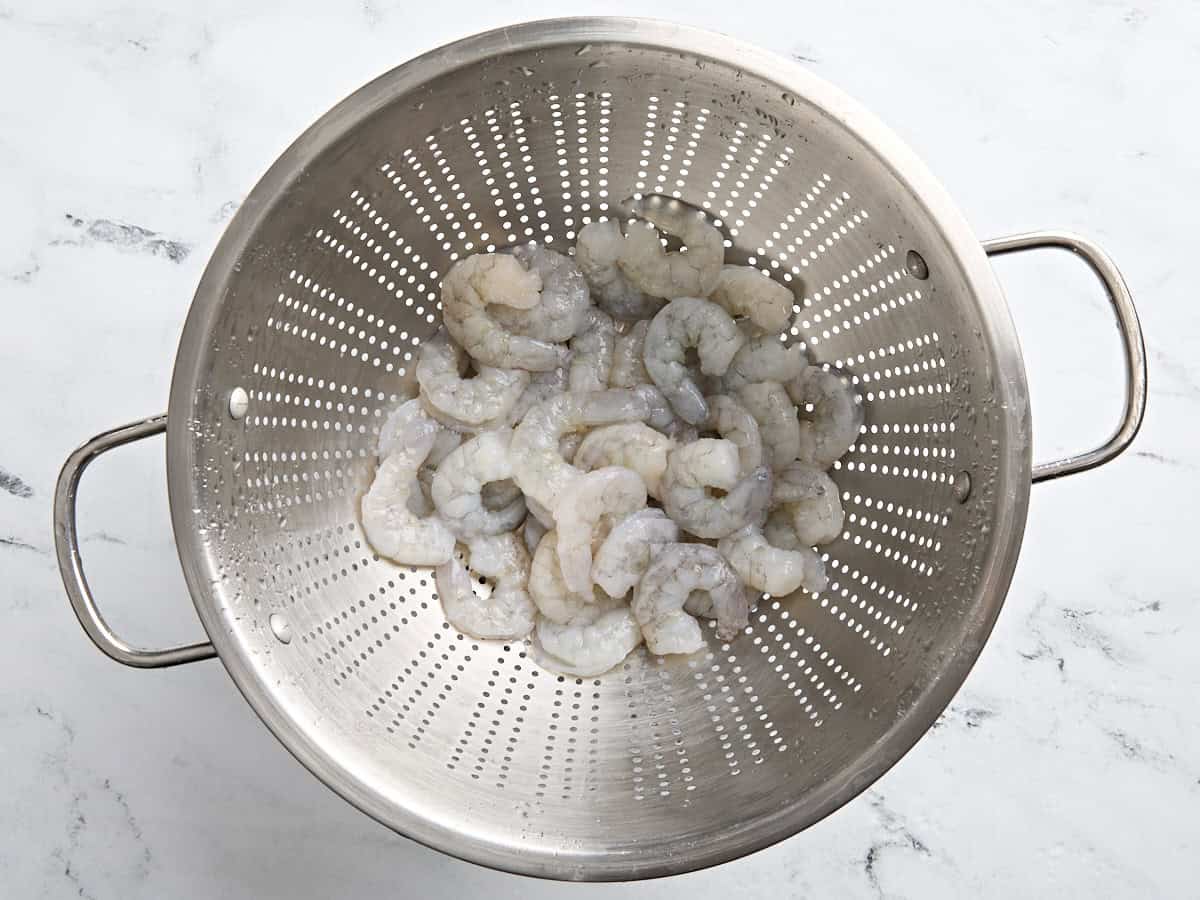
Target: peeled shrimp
[
  {"x": 623, "y": 557},
  {"x": 593, "y": 643},
  {"x": 633, "y": 445},
  {"x": 733, "y": 422},
  {"x": 473, "y": 290},
  {"x": 563, "y": 302},
  {"x": 683, "y": 324},
  {"x": 607, "y": 494},
  {"x": 538, "y": 467},
  {"x": 655, "y": 271},
  {"x": 694, "y": 471},
  {"x": 568, "y": 446},
  {"x": 459, "y": 483},
  {"x": 780, "y": 531},
  {"x": 406, "y": 425},
  {"x": 597, "y": 252},
  {"x": 532, "y": 533},
  {"x": 627, "y": 366},
  {"x": 778, "y": 426},
  {"x": 592, "y": 353},
  {"x": 764, "y": 358},
  {"x": 549, "y": 591},
  {"x": 836, "y": 417},
  {"x": 767, "y": 568},
  {"x": 507, "y": 612},
  {"x": 745, "y": 291},
  {"x": 542, "y": 386},
  {"x": 490, "y": 395},
  {"x": 675, "y": 572},
  {"x": 812, "y": 499},
  {"x": 391, "y": 527}
]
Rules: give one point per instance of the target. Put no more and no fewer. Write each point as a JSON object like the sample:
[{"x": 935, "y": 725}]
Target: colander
[{"x": 311, "y": 312}]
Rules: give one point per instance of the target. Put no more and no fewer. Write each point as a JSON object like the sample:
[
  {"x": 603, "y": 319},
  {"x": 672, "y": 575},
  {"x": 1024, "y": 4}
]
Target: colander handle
[
  {"x": 1131, "y": 339},
  {"x": 70, "y": 565}
]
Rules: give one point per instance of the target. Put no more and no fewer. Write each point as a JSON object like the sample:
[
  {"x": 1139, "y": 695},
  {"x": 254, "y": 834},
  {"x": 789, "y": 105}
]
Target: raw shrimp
[
  {"x": 563, "y": 302},
  {"x": 593, "y": 643},
  {"x": 507, "y": 613},
  {"x": 745, "y": 291},
  {"x": 764, "y": 358},
  {"x": 683, "y": 324},
  {"x": 568, "y": 446},
  {"x": 732, "y": 421},
  {"x": 542, "y": 386},
  {"x": 676, "y": 571},
  {"x": 541, "y": 513},
  {"x": 771, "y": 407},
  {"x": 532, "y": 533},
  {"x": 633, "y": 445},
  {"x": 627, "y": 366},
  {"x": 489, "y": 396},
  {"x": 592, "y": 353},
  {"x": 650, "y": 268},
  {"x": 550, "y": 593},
  {"x": 390, "y": 525},
  {"x": 623, "y": 557},
  {"x": 597, "y": 252},
  {"x": 767, "y": 568},
  {"x": 836, "y": 417},
  {"x": 538, "y": 468},
  {"x": 811, "y": 498},
  {"x": 694, "y": 471},
  {"x": 659, "y": 414},
  {"x": 406, "y": 425},
  {"x": 459, "y": 482},
  {"x": 585, "y": 506},
  {"x": 780, "y": 531},
  {"x": 471, "y": 292}
]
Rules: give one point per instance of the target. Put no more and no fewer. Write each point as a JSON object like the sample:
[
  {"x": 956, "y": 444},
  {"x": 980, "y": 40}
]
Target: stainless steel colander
[{"x": 311, "y": 311}]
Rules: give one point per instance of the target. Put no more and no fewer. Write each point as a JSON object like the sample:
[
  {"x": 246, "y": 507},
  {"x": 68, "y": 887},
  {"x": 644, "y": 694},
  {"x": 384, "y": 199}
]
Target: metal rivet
[
  {"x": 962, "y": 486},
  {"x": 239, "y": 402},
  {"x": 916, "y": 265}
]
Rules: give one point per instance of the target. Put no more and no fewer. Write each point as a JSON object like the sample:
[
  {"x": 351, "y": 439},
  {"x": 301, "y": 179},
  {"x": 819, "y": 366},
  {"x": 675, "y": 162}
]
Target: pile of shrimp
[{"x": 600, "y": 451}]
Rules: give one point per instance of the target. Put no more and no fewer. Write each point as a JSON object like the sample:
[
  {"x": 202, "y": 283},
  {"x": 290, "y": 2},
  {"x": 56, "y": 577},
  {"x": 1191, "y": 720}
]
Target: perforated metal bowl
[{"x": 312, "y": 308}]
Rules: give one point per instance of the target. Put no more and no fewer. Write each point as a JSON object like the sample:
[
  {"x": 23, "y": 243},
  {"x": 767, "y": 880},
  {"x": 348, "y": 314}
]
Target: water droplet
[
  {"x": 962, "y": 486},
  {"x": 281, "y": 628},
  {"x": 916, "y": 265},
  {"x": 239, "y": 402}
]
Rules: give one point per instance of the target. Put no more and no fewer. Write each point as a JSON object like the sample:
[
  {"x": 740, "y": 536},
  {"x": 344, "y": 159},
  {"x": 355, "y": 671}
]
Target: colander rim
[{"x": 740, "y": 838}]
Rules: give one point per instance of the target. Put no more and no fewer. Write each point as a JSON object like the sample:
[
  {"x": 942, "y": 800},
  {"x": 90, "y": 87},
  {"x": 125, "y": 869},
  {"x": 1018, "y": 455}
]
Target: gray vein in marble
[
  {"x": 125, "y": 236},
  {"x": 104, "y": 537},
  {"x": 1168, "y": 460},
  {"x": 11, "y": 484},
  {"x": 18, "y": 544},
  {"x": 897, "y": 837}
]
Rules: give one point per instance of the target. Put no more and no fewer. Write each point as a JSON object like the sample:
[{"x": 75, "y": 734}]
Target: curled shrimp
[
  {"x": 780, "y": 531},
  {"x": 598, "y": 252},
  {"x": 471, "y": 292},
  {"x": 595, "y": 641},
  {"x": 592, "y": 353},
  {"x": 681, "y": 325},
  {"x": 593, "y": 499},
  {"x": 563, "y": 301},
  {"x": 633, "y": 445},
  {"x": 764, "y": 567},
  {"x": 627, "y": 366},
  {"x": 655, "y": 271},
  {"x": 771, "y": 407},
  {"x": 695, "y": 471},
  {"x": 532, "y": 533},
  {"x": 811, "y": 498},
  {"x": 506, "y": 612},
  {"x": 832, "y": 412},
  {"x": 489, "y": 396},
  {"x": 389, "y": 523},
  {"x": 549, "y": 591},
  {"x": 744, "y": 291},
  {"x": 459, "y": 483},
  {"x": 678, "y": 572},
  {"x": 733, "y": 422},
  {"x": 623, "y": 557},
  {"x": 538, "y": 467},
  {"x": 406, "y": 425},
  {"x": 764, "y": 358}
]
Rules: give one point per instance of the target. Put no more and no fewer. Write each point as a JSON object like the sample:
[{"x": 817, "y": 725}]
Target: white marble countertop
[{"x": 1069, "y": 764}]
